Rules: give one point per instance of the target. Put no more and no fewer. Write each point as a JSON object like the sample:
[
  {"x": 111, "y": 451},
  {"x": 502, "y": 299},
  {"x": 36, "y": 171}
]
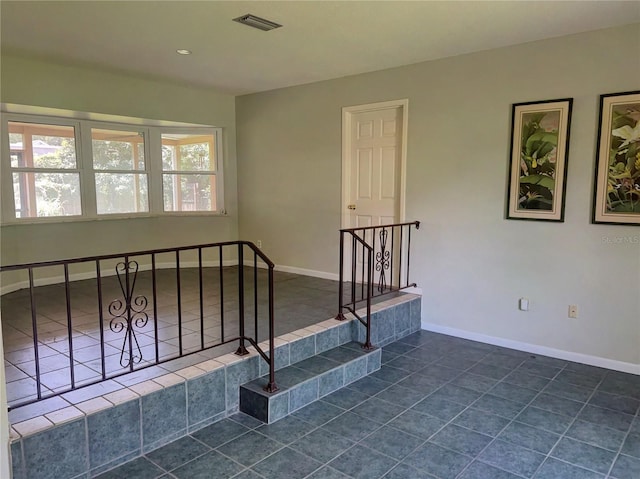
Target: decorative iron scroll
[
  {"x": 382, "y": 261},
  {"x": 128, "y": 314}
]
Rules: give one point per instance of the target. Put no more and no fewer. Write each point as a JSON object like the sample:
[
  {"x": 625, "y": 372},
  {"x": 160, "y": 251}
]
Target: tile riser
[{"x": 197, "y": 402}]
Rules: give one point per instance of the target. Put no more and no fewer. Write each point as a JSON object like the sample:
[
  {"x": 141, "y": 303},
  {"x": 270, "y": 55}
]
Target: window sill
[{"x": 79, "y": 219}]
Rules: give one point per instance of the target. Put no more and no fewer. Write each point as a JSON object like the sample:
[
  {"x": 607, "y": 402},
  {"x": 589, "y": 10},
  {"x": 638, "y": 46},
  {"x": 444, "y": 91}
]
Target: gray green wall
[
  {"x": 29, "y": 81},
  {"x": 471, "y": 263}
]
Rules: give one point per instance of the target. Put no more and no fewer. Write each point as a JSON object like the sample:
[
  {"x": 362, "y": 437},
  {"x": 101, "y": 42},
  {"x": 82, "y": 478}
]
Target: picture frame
[
  {"x": 616, "y": 197},
  {"x": 538, "y": 160}
]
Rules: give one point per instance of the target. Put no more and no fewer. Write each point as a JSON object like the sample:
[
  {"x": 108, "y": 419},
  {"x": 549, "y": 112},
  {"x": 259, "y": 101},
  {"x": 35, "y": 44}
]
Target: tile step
[{"x": 307, "y": 381}]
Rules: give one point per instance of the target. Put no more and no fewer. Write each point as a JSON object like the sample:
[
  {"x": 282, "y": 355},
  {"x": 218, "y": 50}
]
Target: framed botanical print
[
  {"x": 617, "y": 180},
  {"x": 538, "y": 160}
]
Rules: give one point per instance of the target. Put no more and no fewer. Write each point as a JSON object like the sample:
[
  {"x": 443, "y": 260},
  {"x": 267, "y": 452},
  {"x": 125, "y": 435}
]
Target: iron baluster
[
  {"x": 382, "y": 261},
  {"x": 271, "y": 386},
  {"x": 255, "y": 295},
  {"x": 67, "y": 297},
  {"x": 340, "y": 316},
  {"x": 201, "y": 298},
  {"x": 354, "y": 252},
  {"x": 155, "y": 305},
  {"x": 179, "y": 292},
  {"x": 367, "y": 344},
  {"x": 408, "y": 252},
  {"x": 373, "y": 247},
  {"x": 128, "y": 314},
  {"x": 34, "y": 326},
  {"x": 364, "y": 239},
  {"x": 401, "y": 239},
  {"x": 101, "y": 320},
  {"x": 393, "y": 235},
  {"x": 242, "y": 350},
  {"x": 221, "y": 295}
]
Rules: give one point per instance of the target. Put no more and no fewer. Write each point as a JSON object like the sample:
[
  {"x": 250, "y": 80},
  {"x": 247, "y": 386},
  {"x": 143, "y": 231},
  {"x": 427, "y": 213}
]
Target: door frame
[{"x": 347, "y": 120}]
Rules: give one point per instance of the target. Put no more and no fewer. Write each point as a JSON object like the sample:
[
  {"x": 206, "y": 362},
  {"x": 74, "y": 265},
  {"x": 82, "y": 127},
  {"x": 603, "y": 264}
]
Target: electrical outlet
[
  {"x": 523, "y": 304},
  {"x": 573, "y": 311},
  {"x": 259, "y": 243}
]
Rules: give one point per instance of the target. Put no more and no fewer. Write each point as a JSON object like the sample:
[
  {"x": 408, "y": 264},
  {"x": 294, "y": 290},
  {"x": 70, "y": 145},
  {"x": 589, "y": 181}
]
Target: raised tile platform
[
  {"x": 95, "y": 435},
  {"x": 307, "y": 381}
]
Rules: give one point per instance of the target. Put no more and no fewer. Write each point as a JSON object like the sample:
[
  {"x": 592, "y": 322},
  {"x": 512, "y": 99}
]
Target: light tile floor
[
  {"x": 300, "y": 301},
  {"x": 440, "y": 407}
]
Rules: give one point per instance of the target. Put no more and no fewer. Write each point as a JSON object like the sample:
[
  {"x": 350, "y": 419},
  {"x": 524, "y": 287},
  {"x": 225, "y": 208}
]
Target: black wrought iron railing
[
  {"x": 374, "y": 261},
  {"x": 135, "y": 311}
]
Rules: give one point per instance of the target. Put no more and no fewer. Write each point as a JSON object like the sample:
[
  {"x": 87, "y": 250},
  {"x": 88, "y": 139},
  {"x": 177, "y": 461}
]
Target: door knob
[{"x": 352, "y": 207}]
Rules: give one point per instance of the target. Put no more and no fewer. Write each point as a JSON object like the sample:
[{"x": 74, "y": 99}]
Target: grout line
[
  {"x": 626, "y": 436},
  {"x": 451, "y": 421},
  {"x": 512, "y": 420},
  {"x": 575, "y": 418},
  {"x": 257, "y": 462},
  {"x": 446, "y": 423},
  {"x": 209, "y": 449}
]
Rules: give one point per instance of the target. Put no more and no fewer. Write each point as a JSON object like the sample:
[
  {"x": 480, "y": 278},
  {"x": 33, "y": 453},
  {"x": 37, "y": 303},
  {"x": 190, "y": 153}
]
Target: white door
[
  {"x": 376, "y": 140},
  {"x": 373, "y": 157}
]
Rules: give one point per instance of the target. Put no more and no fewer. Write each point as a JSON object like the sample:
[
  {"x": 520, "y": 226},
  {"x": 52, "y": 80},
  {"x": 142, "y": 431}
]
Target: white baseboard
[
  {"x": 10, "y": 288},
  {"x": 536, "y": 349},
  {"x": 327, "y": 275},
  {"x": 249, "y": 263},
  {"x": 308, "y": 272}
]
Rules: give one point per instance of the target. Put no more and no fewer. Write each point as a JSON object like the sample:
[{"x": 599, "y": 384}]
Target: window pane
[
  {"x": 17, "y": 158},
  {"x": 36, "y": 145},
  {"x": 117, "y": 150},
  {"x": 189, "y": 192},
  {"x": 168, "y": 157},
  {"x": 16, "y": 145},
  {"x": 46, "y": 194},
  {"x": 121, "y": 193},
  {"x": 184, "y": 152}
]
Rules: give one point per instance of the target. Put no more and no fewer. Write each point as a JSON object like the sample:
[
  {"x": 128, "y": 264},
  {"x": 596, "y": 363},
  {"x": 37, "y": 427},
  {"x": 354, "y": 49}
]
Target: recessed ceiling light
[
  {"x": 182, "y": 51},
  {"x": 257, "y": 22}
]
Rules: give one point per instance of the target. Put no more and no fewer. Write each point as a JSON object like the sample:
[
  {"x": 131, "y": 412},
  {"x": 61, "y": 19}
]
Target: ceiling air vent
[{"x": 257, "y": 22}]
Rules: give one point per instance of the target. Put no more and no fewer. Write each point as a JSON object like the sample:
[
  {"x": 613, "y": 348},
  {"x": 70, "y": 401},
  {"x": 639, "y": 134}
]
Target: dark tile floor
[
  {"x": 300, "y": 301},
  {"x": 440, "y": 407}
]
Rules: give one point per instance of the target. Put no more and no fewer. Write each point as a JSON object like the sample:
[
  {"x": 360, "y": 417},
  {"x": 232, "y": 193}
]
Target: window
[
  {"x": 189, "y": 172},
  {"x": 44, "y": 170},
  {"x": 119, "y": 171},
  {"x": 81, "y": 169}
]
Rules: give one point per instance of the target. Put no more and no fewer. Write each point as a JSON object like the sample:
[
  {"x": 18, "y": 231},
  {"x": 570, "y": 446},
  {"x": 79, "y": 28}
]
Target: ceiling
[{"x": 320, "y": 40}]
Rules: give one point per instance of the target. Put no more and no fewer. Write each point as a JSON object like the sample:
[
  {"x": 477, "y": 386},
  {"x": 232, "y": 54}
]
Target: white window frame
[
  {"x": 6, "y": 173},
  {"x": 218, "y": 172},
  {"x": 87, "y": 137},
  {"x": 84, "y": 159}
]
